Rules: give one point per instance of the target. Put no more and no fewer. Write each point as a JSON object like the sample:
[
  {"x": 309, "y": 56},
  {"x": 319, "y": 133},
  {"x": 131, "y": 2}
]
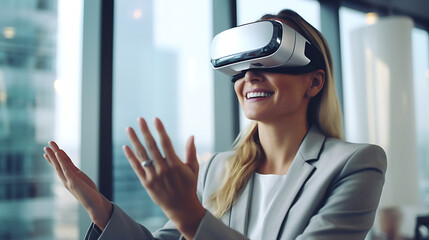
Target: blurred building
[
  {"x": 148, "y": 84},
  {"x": 27, "y": 74}
]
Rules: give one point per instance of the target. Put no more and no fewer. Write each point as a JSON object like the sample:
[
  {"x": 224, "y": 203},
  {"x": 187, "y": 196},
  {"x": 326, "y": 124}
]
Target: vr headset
[{"x": 267, "y": 45}]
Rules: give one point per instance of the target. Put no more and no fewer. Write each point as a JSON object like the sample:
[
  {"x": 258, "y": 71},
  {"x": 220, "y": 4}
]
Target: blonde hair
[{"x": 323, "y": 111}]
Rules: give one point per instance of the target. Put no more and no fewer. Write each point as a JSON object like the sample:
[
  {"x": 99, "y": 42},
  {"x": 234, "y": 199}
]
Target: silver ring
[{"x": 147, "y": 163}]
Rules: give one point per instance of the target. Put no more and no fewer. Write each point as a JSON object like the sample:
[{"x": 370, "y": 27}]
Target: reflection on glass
[
  {"x": 28, "y": 111},
  {"x": 162, "y": 69}
]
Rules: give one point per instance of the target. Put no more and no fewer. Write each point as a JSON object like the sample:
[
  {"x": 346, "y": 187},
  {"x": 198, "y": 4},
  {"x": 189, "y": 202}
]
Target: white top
[{"x": 265, "y": 187}]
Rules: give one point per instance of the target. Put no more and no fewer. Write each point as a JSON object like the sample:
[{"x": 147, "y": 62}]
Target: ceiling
[{"x": 417, "y": 9}]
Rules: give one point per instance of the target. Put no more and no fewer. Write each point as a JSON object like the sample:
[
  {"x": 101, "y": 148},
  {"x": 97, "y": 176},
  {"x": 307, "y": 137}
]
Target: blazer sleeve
[
  {"x": 212, "y": 228},
  {"x": 121, "y": 226},
  {"x": 352, "y": 198}
]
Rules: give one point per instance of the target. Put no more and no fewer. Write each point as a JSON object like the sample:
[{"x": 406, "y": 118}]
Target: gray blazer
[{"x": 331, "y": 191}]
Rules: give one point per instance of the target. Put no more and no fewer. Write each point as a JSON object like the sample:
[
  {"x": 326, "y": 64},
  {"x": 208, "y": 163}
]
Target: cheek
[
  {"x": 297, "y": 88},
  {"x": 238, "y": 88}
]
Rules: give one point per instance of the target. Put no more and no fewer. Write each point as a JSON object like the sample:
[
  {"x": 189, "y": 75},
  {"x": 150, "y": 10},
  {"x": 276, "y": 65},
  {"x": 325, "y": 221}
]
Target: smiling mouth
[{"x": 252, "y": 95}]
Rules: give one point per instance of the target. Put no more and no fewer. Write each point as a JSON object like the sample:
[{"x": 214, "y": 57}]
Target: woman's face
[{"x": 265, "y": 96}]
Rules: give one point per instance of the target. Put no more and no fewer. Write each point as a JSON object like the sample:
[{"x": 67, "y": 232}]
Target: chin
[{"x": 253, "y": 117}]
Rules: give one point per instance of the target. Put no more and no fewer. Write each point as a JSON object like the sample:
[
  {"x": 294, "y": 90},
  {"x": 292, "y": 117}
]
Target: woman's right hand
[{"x": 80, "y": 185}]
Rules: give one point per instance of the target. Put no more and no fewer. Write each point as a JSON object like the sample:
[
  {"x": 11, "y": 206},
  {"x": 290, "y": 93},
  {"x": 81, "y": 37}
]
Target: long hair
[{"x": 323, "y": 110}]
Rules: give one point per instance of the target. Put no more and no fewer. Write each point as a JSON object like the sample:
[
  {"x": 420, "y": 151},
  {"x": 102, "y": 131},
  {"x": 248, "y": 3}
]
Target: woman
[{"x": 289, "y": 176}]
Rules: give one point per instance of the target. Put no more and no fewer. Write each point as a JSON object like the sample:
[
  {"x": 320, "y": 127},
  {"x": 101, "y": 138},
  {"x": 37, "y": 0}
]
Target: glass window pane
[
  {"x": 161, "y": 69},
  {"x": 39, "y": 101},
  {"x": 350, "y": 21},
  {"x": 421, "y": 98},
  {"x": 252, "y": 10}
]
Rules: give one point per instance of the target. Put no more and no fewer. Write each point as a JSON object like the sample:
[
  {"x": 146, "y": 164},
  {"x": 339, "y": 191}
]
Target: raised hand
[
  {"x": 170, "y": 183},
  {"x": 80, "y": 185}
]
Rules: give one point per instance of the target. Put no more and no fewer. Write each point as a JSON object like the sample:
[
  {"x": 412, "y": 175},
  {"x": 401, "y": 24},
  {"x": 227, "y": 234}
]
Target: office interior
[{"x": 80, "y": 72}]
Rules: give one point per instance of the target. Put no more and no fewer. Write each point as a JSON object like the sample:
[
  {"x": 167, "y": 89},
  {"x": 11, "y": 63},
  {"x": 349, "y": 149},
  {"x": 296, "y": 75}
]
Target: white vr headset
[{"x": 268, "y": 45}]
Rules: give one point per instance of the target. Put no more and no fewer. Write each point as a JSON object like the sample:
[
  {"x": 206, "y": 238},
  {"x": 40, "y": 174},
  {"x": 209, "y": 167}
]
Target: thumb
[{"x": 191, "y": 155}]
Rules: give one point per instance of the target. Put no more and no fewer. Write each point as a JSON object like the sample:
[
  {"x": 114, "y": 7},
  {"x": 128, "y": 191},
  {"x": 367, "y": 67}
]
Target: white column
[{"x": 379, "y": 108}]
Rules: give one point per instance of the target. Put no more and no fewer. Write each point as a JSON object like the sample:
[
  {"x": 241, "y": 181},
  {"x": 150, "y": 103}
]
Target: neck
[{"x": 280, "y": 141}]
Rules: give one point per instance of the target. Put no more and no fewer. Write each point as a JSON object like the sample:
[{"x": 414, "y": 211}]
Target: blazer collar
[
  {"x": 312, "y": 144},
  {"x": 298, "y": 174},
  {"x": 239, "y": 212}
]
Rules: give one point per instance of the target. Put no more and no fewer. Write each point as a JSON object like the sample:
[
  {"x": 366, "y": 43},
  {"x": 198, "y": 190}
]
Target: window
[
  {"x": 45, "y": 4},
  {"x": 161, "y": 69},
  {"x": 350, "y": 20},
  {"x": 252, "y": 10},
  {"x": 421, "y": 98},
  {"x": 31, "y": 107}
]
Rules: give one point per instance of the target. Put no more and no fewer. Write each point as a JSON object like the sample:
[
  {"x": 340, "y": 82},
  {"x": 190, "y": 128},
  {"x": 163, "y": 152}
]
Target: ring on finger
[{"x": 147, "y": 163}]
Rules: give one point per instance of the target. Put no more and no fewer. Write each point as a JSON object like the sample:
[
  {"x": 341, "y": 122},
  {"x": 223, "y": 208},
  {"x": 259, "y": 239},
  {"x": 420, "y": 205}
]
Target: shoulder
[
  {"x": 218, "y": 158},
  {"x": 211, "y": 174},
  {"x": 354, "y": 155},
  {"x": 215, "y": 166},
  {"x": 333, "y": 154}
]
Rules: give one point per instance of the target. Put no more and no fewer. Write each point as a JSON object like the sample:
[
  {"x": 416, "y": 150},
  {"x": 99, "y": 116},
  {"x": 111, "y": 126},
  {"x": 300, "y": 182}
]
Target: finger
[
  {"x": 54, "y": 146},
  {"x": 77, "y": 182},
  {"x": 151, "y": 145},
  {"x": 68, "y": 167},
  {"x": 141, "y": 172},
  {"x": 55, "y": 164},
  {"x": 45, "y": 155},
  {"x": 64, "y": 159},
  {"x": 191, "y": 155},
  {"x": 165, "y": 141},
  {"x": 137, "y": 146}
]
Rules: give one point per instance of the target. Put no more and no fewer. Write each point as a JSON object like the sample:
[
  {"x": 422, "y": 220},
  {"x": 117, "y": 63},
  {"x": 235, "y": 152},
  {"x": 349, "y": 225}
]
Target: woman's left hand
[{"x": 170, "y": 183}]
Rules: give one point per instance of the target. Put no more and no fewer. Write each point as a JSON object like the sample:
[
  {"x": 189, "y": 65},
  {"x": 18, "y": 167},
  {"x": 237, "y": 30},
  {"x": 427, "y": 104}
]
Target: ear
[{"x": 316, "y": 84}]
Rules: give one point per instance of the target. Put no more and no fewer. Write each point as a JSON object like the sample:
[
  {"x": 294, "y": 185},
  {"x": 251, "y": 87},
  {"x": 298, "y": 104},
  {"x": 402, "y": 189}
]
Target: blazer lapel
[
  {"x": 297, "y": 176},
  {"x": 239, "y": 212}
]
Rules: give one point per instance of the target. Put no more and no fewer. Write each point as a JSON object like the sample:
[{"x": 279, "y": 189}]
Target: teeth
[{"x": 258, "y": 94}]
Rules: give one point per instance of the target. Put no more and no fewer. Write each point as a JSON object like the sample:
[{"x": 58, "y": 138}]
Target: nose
[{"x": 253, "y": 76}]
